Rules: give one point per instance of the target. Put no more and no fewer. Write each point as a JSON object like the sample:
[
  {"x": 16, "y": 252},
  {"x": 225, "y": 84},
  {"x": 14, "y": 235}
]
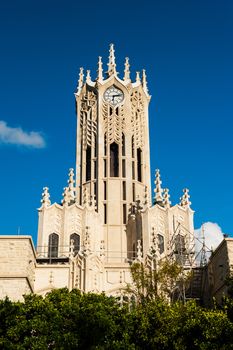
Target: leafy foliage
[{"x": 71, "y": 320}]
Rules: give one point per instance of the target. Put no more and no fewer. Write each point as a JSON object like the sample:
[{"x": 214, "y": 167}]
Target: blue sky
[{"x": 186, "y": 48}]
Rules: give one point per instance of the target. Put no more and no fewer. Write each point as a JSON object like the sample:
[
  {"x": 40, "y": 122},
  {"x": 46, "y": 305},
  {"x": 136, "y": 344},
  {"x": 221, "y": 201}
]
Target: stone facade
[
  {"x": 108, "y": 219},
  {"x": 17, "y": 266}
]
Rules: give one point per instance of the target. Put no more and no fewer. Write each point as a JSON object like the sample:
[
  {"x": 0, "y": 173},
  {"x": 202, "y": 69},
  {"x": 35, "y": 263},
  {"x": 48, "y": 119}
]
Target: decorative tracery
[{"x": 137, "y": 118}]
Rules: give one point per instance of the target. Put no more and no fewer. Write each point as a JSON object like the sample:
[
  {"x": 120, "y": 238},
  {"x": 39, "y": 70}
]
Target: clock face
[{"x": 113, "y": 95}]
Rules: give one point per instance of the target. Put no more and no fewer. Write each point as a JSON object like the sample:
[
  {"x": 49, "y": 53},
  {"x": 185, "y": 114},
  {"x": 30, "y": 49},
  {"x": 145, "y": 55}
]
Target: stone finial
[
  {"x": 139, "y": 250},
  {"x": 100, "y": 70},
  {"x": 184, "y": 200},
  {"x": 144, "y": 81},
  {"x": 138, "y": 80},
  {"x": 69, "y": 192},
  {"x": 127, "y": 71},
  {"x": 45, "y": 198},
  {"x": 88, "y": 77},
  {"x": 166, "y": 198},
  {"x": 158, "y": 197},
  {"x": 111, "y": 62},
  {"x": 65, "y": 196},
  {"x": 71, "y": 184},
  {"x": 80, "y": 80}
]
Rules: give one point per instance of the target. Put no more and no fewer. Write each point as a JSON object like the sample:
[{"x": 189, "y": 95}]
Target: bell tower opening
[{"x": 114, "y": 160}]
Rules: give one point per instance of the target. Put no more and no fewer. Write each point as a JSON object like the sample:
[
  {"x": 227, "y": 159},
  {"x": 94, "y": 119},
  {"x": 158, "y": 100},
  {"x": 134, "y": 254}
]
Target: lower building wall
[
  {"x": 14, "y": 288},
  {"x": 48, "y": 277}
]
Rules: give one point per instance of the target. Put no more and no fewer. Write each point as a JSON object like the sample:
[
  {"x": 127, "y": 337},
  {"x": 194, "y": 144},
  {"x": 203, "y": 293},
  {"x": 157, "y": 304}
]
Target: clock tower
[
  {"x": 113, "y": 157},
  {"x": 107, "y": 220}
]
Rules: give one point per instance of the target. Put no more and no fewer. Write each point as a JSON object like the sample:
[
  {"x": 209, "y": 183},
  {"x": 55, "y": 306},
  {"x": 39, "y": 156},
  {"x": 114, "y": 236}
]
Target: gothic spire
[
  {"x": 100, "y": 70},
  {"x": 69, "y": 192},
  {"x": 158, "y": 197},
  {"x": 88, "y": 77},
  {"x": 45, "y": 198},
  {"x": 80, "y": 80},
  {"x": 127, "y": 70},
  {"x": 166, "y": 200},
  {"x": 138, "y": 77},
  {"x": 184, "y": 200},
  {"x": 71, "y": 184},
  {"x": 144, "y": 81},
  {"x": 111, "y": 62}
]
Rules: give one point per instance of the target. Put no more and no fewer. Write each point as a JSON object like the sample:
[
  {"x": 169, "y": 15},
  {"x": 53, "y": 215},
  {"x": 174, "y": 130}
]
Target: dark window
[
  {"x": 76, "y": 242},
  {"x": 105, "y": 167},
  {"x": 117, "y": 111},
  {"x": 123, "y": 144},
  {"x": 105, "y": 213},
  {"x": 88, "y": 163},
  {"x": 114, "y": 162},
  {"x": 132, "y": 146},
  {"x": 139, "y": 165},
  {"x": 105, "y": 190},
  {"x": 123, "y": 168},
  {"x": 105, "y": 144},
  {"x": 124, "y": 213},
  {"x": 160, "y": 243},
  {"x": 134, "y": 192},
  {"x": 124, "y": 190},
  {"x": 110, "y": 110},
  {"x": 95, "y": 146},
  {"x": 53, "y": 245},
  {"x": 133, "y": 171}
]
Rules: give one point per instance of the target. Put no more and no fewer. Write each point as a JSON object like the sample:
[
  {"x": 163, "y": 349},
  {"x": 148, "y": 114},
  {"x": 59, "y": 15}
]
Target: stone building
[{"x": 107, "y": 218}]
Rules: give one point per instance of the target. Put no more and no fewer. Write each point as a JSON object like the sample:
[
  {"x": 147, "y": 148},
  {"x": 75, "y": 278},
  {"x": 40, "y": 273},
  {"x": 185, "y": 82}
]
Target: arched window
[
  {"x": 75, "y": 239},
  {"x": 139, "y": 164},
  {"x": 160, "y": 243},
  {"x": 114, "y": 160},
  {"x": 53, "y": 245}
]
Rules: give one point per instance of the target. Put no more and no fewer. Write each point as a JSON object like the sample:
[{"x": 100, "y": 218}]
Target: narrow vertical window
[
  {"x": 132, "y": 146},
  {"x": 105, "y": 167},
  {"x": 105, "y": 190},
  {"x": 139, "y": 165},
  {"x": 124, "y": 214},
  {"x": 124, "y": 190},
  {"x": 88, "y": 163},
  {"x": 95, "y": 146},
  {"x": 133, "y": 192},
  {"x": 105, "y": 144},
  {"x": 105, "y": 213},
  {"x": 123, "y": 144},
  {"x": 53, "y": 245},
  {"x": 114, "y": 162},
  {"x": 123, "y": 168},
  {"x": 133, "y": 171},
  {"x": 117, "y": 111}
]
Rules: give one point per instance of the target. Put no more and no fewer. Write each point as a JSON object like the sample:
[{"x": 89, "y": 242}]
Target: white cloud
[
  {"x": 213, "y": 236},
  {"x": 17, "y": 136}
]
